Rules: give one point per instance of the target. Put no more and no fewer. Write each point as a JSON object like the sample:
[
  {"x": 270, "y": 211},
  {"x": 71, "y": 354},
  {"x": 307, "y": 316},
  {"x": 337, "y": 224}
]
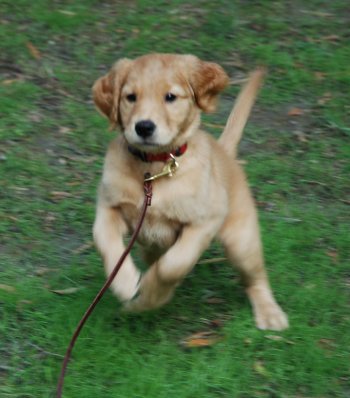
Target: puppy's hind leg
[
  {"x": 241, "y": 239},
  {"x": 109, "y": 228}
]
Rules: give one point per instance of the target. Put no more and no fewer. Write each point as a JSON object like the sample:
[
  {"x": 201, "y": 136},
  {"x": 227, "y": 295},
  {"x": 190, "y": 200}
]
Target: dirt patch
[{"x": 287, "y": 118}]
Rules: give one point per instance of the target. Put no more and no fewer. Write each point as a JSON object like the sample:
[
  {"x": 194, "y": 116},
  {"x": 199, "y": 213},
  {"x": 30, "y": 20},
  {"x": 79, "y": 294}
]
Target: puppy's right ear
[{"x": 106, "y": 90}]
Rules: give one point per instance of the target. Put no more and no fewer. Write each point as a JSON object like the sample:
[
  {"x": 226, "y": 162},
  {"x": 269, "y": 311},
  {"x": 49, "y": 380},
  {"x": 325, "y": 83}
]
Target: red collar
[{"x": 157, "y": 157}]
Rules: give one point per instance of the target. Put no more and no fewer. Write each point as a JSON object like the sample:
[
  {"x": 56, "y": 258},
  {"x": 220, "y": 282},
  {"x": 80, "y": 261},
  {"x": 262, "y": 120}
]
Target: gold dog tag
[{"x": 169, "y": 169}]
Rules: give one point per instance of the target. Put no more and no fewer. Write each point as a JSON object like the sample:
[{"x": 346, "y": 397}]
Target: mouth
[
  {"x": 149, "y": 144},
  {"x": 145, "y": 146},
  {"x": 153, "y": 143}
]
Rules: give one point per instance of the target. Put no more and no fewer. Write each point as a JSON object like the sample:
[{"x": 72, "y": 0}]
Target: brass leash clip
[{"x": 168, "y": 170}]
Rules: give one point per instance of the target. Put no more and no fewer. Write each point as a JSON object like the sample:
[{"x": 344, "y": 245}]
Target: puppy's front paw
[
  {"x": 133, "y": 305},
  {"x": 152, "y": 294},
  {"x": 271, "y": 317},
  {"x": 126, "y": 284}
]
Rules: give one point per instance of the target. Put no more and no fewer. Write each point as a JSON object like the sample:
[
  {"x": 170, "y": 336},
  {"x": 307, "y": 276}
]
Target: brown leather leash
[{"x": 147, "y": 202}]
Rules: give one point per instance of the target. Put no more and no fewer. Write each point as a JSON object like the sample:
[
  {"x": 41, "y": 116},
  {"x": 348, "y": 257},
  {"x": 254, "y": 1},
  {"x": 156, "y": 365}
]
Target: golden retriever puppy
[{"x": 156, "y": 101}]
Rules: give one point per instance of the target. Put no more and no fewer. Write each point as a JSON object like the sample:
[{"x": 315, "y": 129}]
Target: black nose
[{"x": 145, "y": 128}]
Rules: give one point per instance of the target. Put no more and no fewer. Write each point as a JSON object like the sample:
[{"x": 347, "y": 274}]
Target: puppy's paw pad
[
  {"x": 132, "y": 306},
  {"x": 272, "y": 318},
  {"x": 135, "y": 304}
]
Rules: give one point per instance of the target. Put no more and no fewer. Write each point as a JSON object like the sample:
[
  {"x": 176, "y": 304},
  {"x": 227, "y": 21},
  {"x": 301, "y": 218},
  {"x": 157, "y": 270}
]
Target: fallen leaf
[
  {"x": 290, "y": 219},
  {"x": 319, "y": 76},
  {"x": 331, "y": 38},
  {"x": 290, "y": 342},
  {"x": 235, "y": 61},
  {"x": 66, "y": 12},
  {"x": 42, "y": 271},
  {"x": 64, "y": 130},
  {"x": 327, "y": 344},
  {"x": 69, "y": 290},
  {"x": 33, "y": 50},
  {"x": 248, "y": 341},
  {"x": 49, "y": 218},
  {"x": 34, "y": 116},
  {"x": 7, "y": 288},
  {"x": 321, "y": 14},
  {"x": 257, "y": 27},
  {"x": 216, "y": 323},
  {"x": 295, "y": 112},
  {"x": 20, "y": 189},
  {"x": 333, "y": 254},
  {"x": 73, "y": 183},
  {"x": 82, "y": 159},
  {"x": 83, "y": 247},
  {"x": 8, "y": 82},
  {"x": 279, "y": 338},
  {"x": 300, "y": 136},
  {"x": 268, "y": 206},
  {"x": 213, "y": 323},
  {"x": 299, "y": 65},
  {"x": 326, "y": 97},
  {"x": 59, "y": 195},
  {"x": 274, "y": 337},
  {"x": 310, "y": 286},
  {"x": 260, "y": 369},
  {"x": 22, "y": 304},
  {"x": 314, "y": 182},
  {"x": 182, "y": 318},
  {"x": 26, "y": 302},
  {"x": 201, "y": 339},
  {"x": 62, "y": 161}
]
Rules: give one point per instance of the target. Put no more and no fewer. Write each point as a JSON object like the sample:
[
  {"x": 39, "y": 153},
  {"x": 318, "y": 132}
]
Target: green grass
[{"x": 53, "y": 140}]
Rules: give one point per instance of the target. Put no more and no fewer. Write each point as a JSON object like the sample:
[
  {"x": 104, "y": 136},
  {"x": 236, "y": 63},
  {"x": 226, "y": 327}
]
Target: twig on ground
[
  {"x": 216, "y": 126},
  {"x": 44, "y": 351},
  {"x": 314, "y": 182},
  {"x": 83, "y": 248},
  {"x": 238, "y": 82}
]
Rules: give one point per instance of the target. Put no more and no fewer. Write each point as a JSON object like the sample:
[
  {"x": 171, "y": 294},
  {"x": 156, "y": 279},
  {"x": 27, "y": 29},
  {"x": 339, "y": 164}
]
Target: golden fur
[{"x": 207, "y": 197}]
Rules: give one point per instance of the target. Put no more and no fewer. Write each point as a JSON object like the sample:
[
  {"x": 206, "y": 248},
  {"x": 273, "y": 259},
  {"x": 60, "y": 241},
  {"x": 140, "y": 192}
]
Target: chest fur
[{"x": 172, "y": 207}]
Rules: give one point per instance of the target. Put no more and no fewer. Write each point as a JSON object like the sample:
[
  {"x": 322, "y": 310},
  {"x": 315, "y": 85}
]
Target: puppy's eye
[
  {"x": 131, "y": 97},
  {"x": 170, "y": 97}
]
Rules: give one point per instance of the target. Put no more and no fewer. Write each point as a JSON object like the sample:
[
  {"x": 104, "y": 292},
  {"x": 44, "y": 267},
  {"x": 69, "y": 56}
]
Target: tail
[{"x": 237, "y": 120}]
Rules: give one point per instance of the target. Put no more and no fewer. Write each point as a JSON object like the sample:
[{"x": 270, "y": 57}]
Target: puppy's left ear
[{"x": 207, "y": 79}]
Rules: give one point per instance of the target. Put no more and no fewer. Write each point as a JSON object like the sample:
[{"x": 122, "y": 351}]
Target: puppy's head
[{"x": 156, "y": 99}]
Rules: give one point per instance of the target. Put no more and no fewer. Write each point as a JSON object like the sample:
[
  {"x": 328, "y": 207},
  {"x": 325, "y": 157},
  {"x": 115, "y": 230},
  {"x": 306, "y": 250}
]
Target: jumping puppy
[{"x": 156, "y": 101}]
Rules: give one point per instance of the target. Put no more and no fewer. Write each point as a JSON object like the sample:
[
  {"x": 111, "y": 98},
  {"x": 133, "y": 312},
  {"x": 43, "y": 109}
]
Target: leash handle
[{"x": 147, "y": 202}]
